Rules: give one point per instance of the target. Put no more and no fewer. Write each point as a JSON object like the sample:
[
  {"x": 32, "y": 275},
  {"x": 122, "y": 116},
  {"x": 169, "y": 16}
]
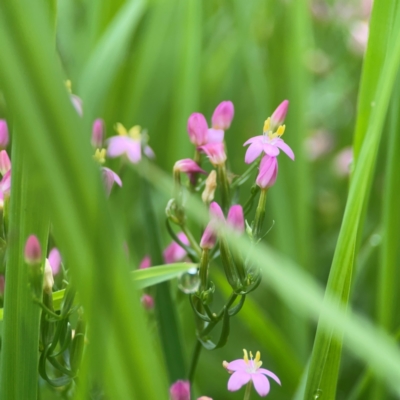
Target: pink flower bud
[
  {"x": 55, "y": 260},
  {"x": 145, "y": 263},
  {"x": 236, "y": 218},
  {"x": 268, "y": 172},
  {"x": 33, "y": 251},
  {"x": 209, "y": 236},
  {"x": 5, "y": 163},
  {"x": 279, "y": 115},
  {"x": 97, "y": 133},
  {"x": 223, "y": 115},
  {"x": 180, "y": 390},
  {"x": 215, "y": 152},
  {"x": 189, "y": 166},
  {"x": 3, "y": 134},
  {"x": 147, "y": 302},
  {"x": 5, "y": 184},
  {"x": 174, "y": 252},
  {"x": 197, "y": 129},
  {"x": 2, "y": 284}
]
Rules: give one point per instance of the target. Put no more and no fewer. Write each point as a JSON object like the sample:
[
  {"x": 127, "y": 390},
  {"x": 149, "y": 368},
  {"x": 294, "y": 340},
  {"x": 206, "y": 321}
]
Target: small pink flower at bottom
[
  {"x": 268, "y": 172},
  {"x": 244, "y": 370},
  {"x": 180, "y": 390}
]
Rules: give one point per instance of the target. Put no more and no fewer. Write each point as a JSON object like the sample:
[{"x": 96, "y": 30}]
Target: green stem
[
  {"x": 195, "y": 359},
  {"x": 193, "y": 243},
  {"x": 247, "y": 393},
  {"x": 260, "y": 214},
  {"x": 203, "y": 271},
  {"x": 223, "y": 184}
]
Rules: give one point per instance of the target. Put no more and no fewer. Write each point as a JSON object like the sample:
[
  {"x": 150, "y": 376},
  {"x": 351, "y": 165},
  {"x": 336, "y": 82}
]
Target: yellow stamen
[
  {"x": 134, "y": 132},
  {"x": 267, "y": 124},
  {"x": 68, "y": 85},
  {"x": 281, "y": 130},
  {"x": 225, "y": 364},
  {"x": 120, "y": 129},
  {"x": 100, "y": 156},
  {"x": 245, "y": 356},
  {"x": 258, "y": 357},
  {"x": 251, "y": 355}
]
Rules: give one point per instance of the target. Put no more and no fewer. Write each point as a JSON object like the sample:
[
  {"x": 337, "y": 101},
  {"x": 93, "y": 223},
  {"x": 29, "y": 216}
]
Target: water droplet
[
  {"x": 189, "y": 281},
  {"x": 317, "y": 394}
]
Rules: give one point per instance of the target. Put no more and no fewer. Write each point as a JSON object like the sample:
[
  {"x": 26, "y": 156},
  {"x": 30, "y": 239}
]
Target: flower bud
[
  {"x": 215, "y": 152},
  {"x": 97, "y": 133},
  {"x": 145, "y": 263},
  {"x": 55, "y": 260},
  {"x": 147, "y": 302},
  {"x": 174, "y": 252},
  {"x": 223, "y": 115},
  {"x": 211, "y": 184},
  {"x": 197, "y": 129},
  {"x": 279, "y": 115},
  {"x": 180, "y": 390},
  {"x": 268, "y": 172},
  {"x": 209, "y": 236},
  {"x": 33, "y": 251},
  {"x": 188, "y": 166},
  {"x": 5, "y": 163},
  {"x": 3, "y": 134},
  {"x": 236, "y": 218},
  {"x": 48, "y": 280},
  {"x": 5, "y": 184}
]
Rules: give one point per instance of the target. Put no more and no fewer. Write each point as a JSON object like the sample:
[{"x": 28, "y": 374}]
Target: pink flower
[
  {"x": 342, "y": 162},
  {"x": 197, "y": 129},
  {"x": 174, "y": 252},
  {"x": 246, "y": 370},
  {"x": 54, "y": 260},
  {"x": 279, "y": 115},
  {"x": 3, "y": 134},
  {"x": 180, "y": 390},
  {"x": 127, "y": 142},
  {"x": 145, "y": 263},
  {"x": 188, "y": 166},
  {"x": 223, "y": 115},
  {"x": 235, "y": 220},
  {"x": 97, "y": 133},
  {"x": 215, "y": 152},
  {"x": 269, "y": 143},
  {"x": 2, "y": 284},
  {"x": 147, "y": 302},
  {"x": 268, "y": 172},
  {"x": 109, "y": 178},
  {"x": 5, "y": 163},
  {"x": 33, "y": 250}
]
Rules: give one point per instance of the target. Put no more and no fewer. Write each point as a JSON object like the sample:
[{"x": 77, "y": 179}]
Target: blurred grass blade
[
  {"x": 91, "y": 242},
  {"x": 107, "y": 57},
  {"x": 325, "y": 361}
]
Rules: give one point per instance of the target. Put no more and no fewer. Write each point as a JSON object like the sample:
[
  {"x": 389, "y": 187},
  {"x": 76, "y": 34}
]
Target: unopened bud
[
  {"x": 97, "y": 133},
  {"x": 33, "y": 251},
  {"x": 223, "y": 115},
  {"x": 55, "y": 260},
  {"x": 5, "y": 163},
  {"x": 279, "y": 115},
  {"x": 180, "y": 390},
  {"x": 3, "y": 134},
  {"x": 48, "y": 280},
  {"x": 147, "y": 302},
  {"x": 211, "y": 184}
]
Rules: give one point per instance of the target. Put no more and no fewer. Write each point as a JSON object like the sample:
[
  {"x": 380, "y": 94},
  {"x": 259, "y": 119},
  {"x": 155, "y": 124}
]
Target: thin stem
[
  {"x": 260, "y": 214},
  {"x": 247, "y": 393},
  {"x": 203, "y": 271},
  {"x": 192, "y": 240},
  {"x": 246, "y": 175},
  {"x": 195, "y": 359},
  {"x": 224, "y": 186}
]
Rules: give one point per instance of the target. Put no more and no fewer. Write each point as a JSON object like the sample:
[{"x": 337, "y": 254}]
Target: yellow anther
[
  {"x": 134, "y": 132},
  {"x": 251, "y": 355},
  {"x": 225, "y": 364},
  {"x": 68, "y": 85},
  {"x": 100, "y": 156},
  {"x": 120, "y": 129},
  {"x": 258, "y": 357},
  {"x": 245, "y": 356},
  {"x": 281, "y": 130},
  {"x": 267, "y": 124}
]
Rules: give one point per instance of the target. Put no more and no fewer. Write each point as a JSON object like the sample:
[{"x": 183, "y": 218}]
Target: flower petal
[
  {"x": 261, "y": 384},
  {"x": 237, "y": 365},
  {"x": 215, "y": 135},
  {"x": 270, "y": 374},
  {"x": 254, "y": 150},
  {"x": 117, "y": 145},
  {"x": 271, "y": 149},
  {"x": 238, "y": 379},
  {"x": 285, "y": 148},
  {"x": 253, "y": 139},
  {"x": 134, "y": 151}
]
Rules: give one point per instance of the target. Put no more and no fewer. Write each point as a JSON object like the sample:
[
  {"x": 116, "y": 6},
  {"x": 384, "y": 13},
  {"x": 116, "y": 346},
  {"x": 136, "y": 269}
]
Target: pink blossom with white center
[
  {"x": 269, "y": 142},
  {"x": 268, "y": 172},
  {"x": 145, "y": 263},
  {"x": 5, "y": 163},
  {"x": 174, "y": 252},
  {"x": 127, "y": 142},
  {"x": 215, "y": 152},
  {"x": 55, "y": 260},
  {"x": 3, "y": 134},
  {"x": 244, "y": 370}
]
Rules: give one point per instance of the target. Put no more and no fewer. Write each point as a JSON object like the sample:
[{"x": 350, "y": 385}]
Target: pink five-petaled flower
[
  {"x": 269, "y": 142},
  {"x": 268, "y": 172},
  {"x": 174, "y": 252},
  {"x": 215, "y": 152},
  {"x": 127, "y": 142},
  {"x": 245, "y": 370},
  {"x": 235, "y": 220}
]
